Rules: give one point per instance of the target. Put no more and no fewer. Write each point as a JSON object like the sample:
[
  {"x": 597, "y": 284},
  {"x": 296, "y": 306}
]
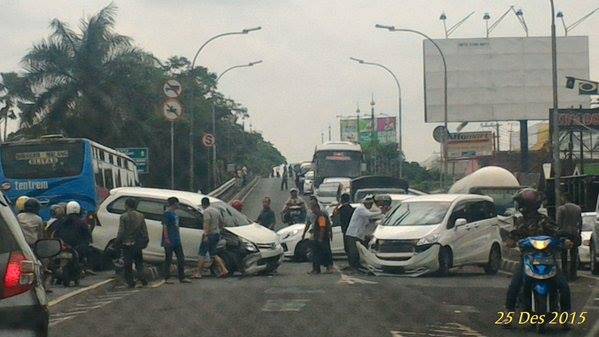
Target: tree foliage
[{"x": 92, "y": 82}]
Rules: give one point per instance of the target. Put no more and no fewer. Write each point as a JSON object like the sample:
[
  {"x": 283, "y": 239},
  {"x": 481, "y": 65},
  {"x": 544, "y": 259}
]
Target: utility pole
[
  {"x": 358, "y": 124},
  {"x": 321, "y": 137},
  {"x": 495, "y": 125},
  {"x": 372, "y": 121},
  {"x": 329, "y": 132},
  {"x": 554, "y": 116}
]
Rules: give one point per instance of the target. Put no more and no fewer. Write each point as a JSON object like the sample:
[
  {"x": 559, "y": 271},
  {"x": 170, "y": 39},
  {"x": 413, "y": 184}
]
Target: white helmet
[{"x": 73, "y": 207}]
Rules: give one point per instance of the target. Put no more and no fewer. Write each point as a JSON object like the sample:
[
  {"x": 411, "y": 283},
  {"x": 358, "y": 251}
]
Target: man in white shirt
[{"x": 358, "y": 228}]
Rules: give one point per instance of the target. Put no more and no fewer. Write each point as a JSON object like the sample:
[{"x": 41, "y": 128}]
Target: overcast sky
[{"x": 306, "y": 79}]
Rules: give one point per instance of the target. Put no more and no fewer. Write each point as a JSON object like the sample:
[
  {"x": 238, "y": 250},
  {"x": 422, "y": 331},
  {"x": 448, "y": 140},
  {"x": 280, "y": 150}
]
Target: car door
[
  {"x": 153, "y": 210},
  {"x": 462, "y": 235},
  {"x": 190, "y": 226},
  {"x": 479, "y": 215},
  {"x": 487, "y": 230}
]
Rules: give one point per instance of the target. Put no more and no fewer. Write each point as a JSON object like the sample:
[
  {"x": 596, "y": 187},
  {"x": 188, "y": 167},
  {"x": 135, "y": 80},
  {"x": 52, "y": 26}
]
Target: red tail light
[{"x": 19, "y": 275}]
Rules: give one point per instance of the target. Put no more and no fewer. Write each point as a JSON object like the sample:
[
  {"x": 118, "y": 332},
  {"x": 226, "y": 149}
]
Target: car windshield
[
  {"x": 588, "y": 222},
  {"x": 360, "y": 194},
  {"x": 418, "y": 213},
  {"x": 231, "y": 216},
  {"x": 328, "y": 190},
  {"x": 43, "y": 160}
]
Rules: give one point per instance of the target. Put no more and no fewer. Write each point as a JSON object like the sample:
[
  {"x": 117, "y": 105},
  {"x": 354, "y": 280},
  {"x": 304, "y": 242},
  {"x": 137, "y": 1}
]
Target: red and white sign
[{"x": 208, "y": 140}]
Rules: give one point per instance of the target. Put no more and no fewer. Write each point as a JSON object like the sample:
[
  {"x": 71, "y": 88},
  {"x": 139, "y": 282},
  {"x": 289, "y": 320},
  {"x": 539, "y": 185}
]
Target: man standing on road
[
  {"x": 322, "y": 235},
  {"x": 267, "y": 216},
  {"x": 569, "y": 221},
  {"x": 212, "y": 223},
  {"x": 133, "y": 238},
  {"x": 344, "y": 211},
  {"x": 171, "y": 241},
  {"x": 357, "y": 229},
  {"x": 284, "y": 178}
]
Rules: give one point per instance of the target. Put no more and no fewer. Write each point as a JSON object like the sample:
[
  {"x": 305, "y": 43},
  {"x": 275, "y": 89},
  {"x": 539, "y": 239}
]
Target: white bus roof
[{"x": 341, "y": 146}]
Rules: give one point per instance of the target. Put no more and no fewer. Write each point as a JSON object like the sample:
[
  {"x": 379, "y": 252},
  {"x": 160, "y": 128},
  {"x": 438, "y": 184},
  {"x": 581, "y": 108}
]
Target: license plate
[{"x": 547, "y": 262}]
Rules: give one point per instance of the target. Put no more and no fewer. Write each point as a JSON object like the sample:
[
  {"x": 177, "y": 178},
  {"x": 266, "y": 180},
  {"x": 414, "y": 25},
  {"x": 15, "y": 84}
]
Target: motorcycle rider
[
  {"x": 294, "y": 201},
  {"x": 58, "y": 216},
  {"x": 74, "y": 232},
  {"x": 31, "y": 223},
  {"x": 533, "y": 223}
]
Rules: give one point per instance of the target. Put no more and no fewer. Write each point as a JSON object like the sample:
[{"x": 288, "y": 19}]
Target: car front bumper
[
  {"x": 264, "y": 260},
  {"x": 289, "y": 245},
  {"x": 416, "y": 265}
]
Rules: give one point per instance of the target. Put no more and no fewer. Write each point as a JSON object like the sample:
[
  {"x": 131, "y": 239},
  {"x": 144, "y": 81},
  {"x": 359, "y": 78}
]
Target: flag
[{"x": 587, "y": 87}]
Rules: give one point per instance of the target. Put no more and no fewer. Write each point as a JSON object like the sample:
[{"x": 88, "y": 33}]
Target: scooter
[
  {"x": 540, "y": 294},
  {"x": 65, "y": 267},
  {"x": 294, "y": 215}
]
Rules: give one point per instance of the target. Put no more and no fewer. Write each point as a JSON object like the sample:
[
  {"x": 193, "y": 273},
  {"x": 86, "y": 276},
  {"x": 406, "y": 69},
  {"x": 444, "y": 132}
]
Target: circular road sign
[
  {"x": 172, "y": 89},
  {"x": 440, "y": 133},
  {"x": 208, "y": 140},
  {"x": 172, "y": 109}
]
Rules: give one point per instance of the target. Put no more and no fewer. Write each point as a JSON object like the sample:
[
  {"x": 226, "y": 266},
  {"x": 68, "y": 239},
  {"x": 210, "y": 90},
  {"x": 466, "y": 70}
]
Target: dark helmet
[
  {"x": 32, "y": 206},
  {"x": 528, "y": 199}
]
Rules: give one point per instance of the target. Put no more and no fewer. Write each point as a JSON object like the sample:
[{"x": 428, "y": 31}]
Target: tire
[
  {"x": 303, "y": 251},
  {"x": 594, "y": 265},
  {"x": 494, "y": 263},
  {"x": 541, "y": 307},
  {"x": 445, "y": 261}
]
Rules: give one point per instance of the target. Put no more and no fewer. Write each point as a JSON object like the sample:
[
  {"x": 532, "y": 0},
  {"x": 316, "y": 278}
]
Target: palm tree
[
  {"x": 13, "y": 91},
  {"x": 75, "y": 75}
]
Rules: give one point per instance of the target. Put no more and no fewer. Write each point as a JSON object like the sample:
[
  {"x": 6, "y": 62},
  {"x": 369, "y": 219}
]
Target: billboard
[
  {"x": 386, "y": 131},
  {"x": 578, "y": 119},
  {"x": 501, "y": 79},
  {"x": 468, "y": 145}
]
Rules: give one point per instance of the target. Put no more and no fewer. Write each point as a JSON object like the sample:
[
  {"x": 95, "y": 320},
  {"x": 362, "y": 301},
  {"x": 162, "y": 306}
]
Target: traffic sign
[
  {"x": 140, "y": 156},
  {"x": 172, "y": 109},
  {"x": 440, "y": 133},
  {"x": 208, "y": 140},
  {"x": 172, "y": 89}
]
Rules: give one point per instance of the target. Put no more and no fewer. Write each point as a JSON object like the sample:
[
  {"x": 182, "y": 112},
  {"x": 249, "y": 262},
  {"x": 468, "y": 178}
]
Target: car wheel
[
  {"x": 494, "y": 263},
  {"x": 445, "y": 261},
  {"x": 594, "y": 262}
]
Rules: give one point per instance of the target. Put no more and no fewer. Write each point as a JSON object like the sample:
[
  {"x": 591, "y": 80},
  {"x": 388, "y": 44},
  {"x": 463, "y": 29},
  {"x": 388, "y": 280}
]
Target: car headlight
[
  {"x": 249, "y": 246},
  {"x": 429, "y": 239}
]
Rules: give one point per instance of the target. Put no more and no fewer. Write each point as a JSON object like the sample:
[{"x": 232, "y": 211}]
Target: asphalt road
[{"x": 292, "y": 303}]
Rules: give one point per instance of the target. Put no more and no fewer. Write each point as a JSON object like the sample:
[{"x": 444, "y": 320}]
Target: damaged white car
[{"x": 434, "y": 233}]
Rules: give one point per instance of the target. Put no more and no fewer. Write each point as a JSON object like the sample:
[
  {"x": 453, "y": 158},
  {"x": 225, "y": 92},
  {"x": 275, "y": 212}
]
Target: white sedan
[
  {"x": 264, "y": 252},
  {"x": 588, "y": 221}
]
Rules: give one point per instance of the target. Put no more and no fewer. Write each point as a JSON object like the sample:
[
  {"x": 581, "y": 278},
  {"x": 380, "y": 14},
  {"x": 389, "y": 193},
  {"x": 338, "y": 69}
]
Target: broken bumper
[
  {"x": 414, "y": 265},
  {"x": 266, "y": 259}
]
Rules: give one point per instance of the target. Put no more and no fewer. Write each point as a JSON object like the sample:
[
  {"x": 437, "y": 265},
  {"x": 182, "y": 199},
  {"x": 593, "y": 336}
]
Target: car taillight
[{"x": 19, "y": 275}]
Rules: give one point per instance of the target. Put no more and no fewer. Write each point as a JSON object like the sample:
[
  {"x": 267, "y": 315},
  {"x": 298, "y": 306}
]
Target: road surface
[{"x": 292, "y": 303}]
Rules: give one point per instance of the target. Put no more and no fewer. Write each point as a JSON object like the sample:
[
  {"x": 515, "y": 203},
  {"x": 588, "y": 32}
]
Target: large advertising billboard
[
  {"x": 386, "y": 131},
  {"x": 468, "y": 145},
  {"x": 502, "y": 78}
]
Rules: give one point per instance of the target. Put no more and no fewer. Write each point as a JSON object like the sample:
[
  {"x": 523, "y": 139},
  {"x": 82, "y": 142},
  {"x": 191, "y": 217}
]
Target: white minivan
[
  {"x": 433, "y": 233},
  {"x": 264, "y": 252}
]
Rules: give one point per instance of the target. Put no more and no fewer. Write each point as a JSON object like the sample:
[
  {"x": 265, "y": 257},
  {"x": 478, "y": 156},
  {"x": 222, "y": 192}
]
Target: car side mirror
[
  {"x": 460, "y": 222},
  {"x": 46, "y": 248}
]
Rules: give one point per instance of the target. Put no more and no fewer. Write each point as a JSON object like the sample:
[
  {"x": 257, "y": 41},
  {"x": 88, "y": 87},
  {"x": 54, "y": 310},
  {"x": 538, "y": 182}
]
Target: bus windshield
[
  {"x": 43, "y": 160},
  {"x": 338, "y": 163}
]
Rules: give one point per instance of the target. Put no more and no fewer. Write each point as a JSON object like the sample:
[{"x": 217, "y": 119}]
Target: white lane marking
[
  {"x": 282, "y": 305},
  {"x": 293, "y": 290},
  {"x": 88, "y": 307},
  {"x": 69, "y": 313},
  {"x": 79, "y": 291},
  {"x": 59, "y": 320},
  {"x": 345, "y": 279}
]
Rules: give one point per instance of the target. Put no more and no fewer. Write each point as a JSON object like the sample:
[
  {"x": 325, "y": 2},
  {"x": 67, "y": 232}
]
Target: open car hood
[{"x": 255, "y": 233}]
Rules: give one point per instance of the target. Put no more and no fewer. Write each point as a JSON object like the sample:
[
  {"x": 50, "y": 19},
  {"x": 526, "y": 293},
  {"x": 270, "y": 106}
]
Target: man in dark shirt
[
  {"x": 133, "y": 238},
  {"x": 344, "y": 211},
  {"x": 171, "y": 241},
  {"x": 569, "y": 221},
  {"x": 267, "y": 216}
]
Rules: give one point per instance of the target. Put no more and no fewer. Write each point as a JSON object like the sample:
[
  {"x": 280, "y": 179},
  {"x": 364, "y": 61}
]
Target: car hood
[
  {"x": 255, "y": 233},
  {"x": 403, "y": 232},
  {"x": 291, "y": 228}
]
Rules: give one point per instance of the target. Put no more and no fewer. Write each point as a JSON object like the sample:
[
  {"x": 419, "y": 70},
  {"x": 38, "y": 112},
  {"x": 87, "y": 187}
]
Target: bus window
[
  {"x": 99, "y": 180},
  {"x": 44, "y": 160},
  {"x": 109, "y": 183}
]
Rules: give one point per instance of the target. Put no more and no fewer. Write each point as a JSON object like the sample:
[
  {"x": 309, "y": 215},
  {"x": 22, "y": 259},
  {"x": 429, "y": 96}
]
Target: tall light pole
[
  {"x": 214, "y": 170},
  {"x": 191, "y": 97},
  {"x": 399, "y": 123},
  {"x": 393, "y": 29},
  {"x": 560, "y": 15},
  {"x": 554, "y": 116}
]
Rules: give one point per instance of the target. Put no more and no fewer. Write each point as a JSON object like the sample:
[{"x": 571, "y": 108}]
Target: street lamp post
[
  {"x": 191, "y": 97},
  {"x": 214, "y": 170},
  {"x": 554, "y": 116},
  {"x": 393, "y": 29},
  {"x": 399, "y": 121}
]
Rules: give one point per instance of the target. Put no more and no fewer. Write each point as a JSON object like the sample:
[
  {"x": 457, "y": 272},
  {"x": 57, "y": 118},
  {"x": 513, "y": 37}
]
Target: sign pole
[
  {"x": 214, "y": 170},
  {"x": 172, "y": 155}
]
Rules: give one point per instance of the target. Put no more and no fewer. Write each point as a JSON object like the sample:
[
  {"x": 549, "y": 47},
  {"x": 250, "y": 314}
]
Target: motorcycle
[
  {"x": 540, "y": 294},
  {"x": 294, "y": 215},
  {"x": 65, "y": 266}
]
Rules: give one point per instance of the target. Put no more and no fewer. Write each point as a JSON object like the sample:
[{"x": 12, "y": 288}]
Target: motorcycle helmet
[
  {"x": 73, "y": 207},
  {"x": 32, "y": 206},
  {"x": 237, "y": 204},
  {"x": 528, "y": 199},
  {"x": 58, "y": 210},
  {"x": 20, "y": 203},
  {"x": 293, "y": 190}
]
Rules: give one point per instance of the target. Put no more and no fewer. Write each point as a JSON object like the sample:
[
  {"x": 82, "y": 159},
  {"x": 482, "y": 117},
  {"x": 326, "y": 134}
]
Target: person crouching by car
[
  {"x": 321, "y": 245},
  {"x": 358, "y": 228},
  {"x": 171, "y": 241},
  {"x": 132, "y": 237},
  {"x": 212, "y": 224}
]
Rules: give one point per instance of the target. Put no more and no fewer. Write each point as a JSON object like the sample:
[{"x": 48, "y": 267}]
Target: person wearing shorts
[{"x": 212, "y": 224}]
